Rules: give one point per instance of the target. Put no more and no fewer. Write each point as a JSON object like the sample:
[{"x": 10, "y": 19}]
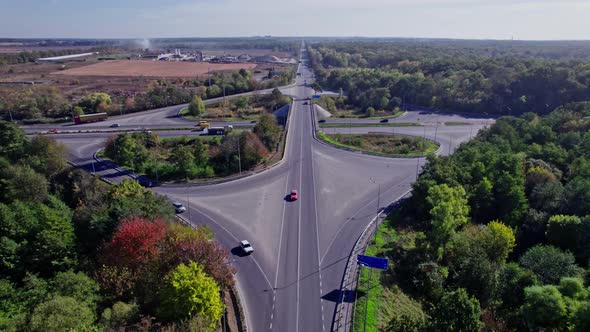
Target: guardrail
[{"x": 344, "y": 314}]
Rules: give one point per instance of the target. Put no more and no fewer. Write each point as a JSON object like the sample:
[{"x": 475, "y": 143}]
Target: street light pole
[{"x": 239, "y": 157}]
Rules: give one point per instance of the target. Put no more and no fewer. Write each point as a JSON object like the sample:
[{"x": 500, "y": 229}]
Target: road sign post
[{"x": 371, "y": 262}]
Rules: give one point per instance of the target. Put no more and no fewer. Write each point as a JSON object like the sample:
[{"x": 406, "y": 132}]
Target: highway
[{"x": 291, "y": 282}]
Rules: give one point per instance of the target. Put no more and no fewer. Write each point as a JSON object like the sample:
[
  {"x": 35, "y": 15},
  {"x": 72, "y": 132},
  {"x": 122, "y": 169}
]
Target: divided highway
[{"x": 291, "y": 282}]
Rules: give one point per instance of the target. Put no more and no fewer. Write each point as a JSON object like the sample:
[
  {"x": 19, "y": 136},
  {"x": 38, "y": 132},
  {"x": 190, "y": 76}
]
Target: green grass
[
  {"x": 431, "y": 147},
  {"x": 455, "y": 123},
  {"x": 385, "y": 298},
  {"x": 369, "y": 284},
  {"x": 361, "y": 125}
]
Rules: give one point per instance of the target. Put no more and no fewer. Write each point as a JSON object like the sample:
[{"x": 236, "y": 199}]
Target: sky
[{"x": 468, "y": 19}]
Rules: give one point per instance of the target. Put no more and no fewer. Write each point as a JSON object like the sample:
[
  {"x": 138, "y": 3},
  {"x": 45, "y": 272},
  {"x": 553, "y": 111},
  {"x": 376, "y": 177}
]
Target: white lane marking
[
  {"x": 359, "y": 210},
  {"x": 317, "y": 232},
  {"x": 299, "y": 232}
]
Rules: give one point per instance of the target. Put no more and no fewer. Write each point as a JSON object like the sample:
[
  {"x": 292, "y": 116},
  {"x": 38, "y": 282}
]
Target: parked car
[
  {"x": 294, "y": 195},
  {"x": 246, "y": 247},
  {"x": 179, "y": 207}
]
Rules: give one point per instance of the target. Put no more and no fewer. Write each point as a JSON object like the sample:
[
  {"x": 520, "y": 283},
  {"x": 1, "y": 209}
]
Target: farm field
[{"x": 136, "y": 68}]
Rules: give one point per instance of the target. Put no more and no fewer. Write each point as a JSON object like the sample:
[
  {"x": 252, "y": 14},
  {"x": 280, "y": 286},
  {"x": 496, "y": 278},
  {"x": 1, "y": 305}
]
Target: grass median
[{"x": 382, "y": 144}]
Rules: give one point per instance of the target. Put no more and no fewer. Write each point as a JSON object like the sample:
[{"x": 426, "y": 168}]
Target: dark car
[{"x": 384, "y": 120}]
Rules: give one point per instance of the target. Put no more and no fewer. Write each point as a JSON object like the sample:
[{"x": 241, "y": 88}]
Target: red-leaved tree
[{"x": 137, "y": 242}]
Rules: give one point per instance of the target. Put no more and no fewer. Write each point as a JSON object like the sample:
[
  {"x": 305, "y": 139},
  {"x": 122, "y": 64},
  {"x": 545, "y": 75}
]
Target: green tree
[
  {"x": 78, "y": 110},
  {"x": 12, "y": 140},
  {"x": 77, "y": 286},
  {"x": 187, "y": 292},
  {"x": 550, "y": 264},
  {"x": 268, "y": 130},
  {"x": 544, "y": 308},
  {"x": 457, "y": 311},
  {"x": 196, "y": 107},
  {"x": 563, "y": 231},
  {"x": 573, "y": 288},
  {"x": 581, "y": 319},
  {"x": 449, "y": 211},
  {"x": 61, "y": 314},
  {"x": 510, "y": 292},
  {"x": 120, "y": 314},
  {"x": 184, "y": 161},
  {"x": 96, "y": 102},
  {"x": 23, "y": 183},
  {"x": 47, "y": 156}
]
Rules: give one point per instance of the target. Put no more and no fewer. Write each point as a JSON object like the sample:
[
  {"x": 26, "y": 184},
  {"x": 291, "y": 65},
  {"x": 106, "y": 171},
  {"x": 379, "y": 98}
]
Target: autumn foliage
[{"x": 136, "y": 242}]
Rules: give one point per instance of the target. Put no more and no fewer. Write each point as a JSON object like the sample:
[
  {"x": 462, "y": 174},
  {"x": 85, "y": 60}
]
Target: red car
[{"x": 294, "y": 195}]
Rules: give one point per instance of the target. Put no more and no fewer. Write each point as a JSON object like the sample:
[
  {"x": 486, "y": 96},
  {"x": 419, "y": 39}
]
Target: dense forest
[
  {"x": 507, "y": 78},
  {"x": 497, "y": 235},
  {"x": 79, "y": 255}
]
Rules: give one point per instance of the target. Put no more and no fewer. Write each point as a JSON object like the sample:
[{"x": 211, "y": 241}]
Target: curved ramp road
[{"x": 291, "y": 282}]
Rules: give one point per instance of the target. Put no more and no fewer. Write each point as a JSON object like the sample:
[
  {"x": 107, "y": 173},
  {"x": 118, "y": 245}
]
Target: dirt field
[{"x": 147, "y": 68}]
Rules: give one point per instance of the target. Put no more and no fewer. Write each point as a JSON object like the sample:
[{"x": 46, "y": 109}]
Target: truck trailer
[{"x": 78, "y": 119}]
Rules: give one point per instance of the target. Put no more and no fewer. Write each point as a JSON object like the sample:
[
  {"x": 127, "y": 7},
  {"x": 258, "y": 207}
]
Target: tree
[
  {"x": 581, "y": 319},
  {"x": 184, "y": 161},
  {"x": 96, "y": 102},
  {"x": 77, "y": 286},
  {"x": 457, "y": 311},
  {"x": 544, "y": 308},
  {"x": 550, "y": 264},
  {"x": 12, "y": 140},
  {"x": 47, "y": 156},
  {"x": 510, "y": 292},
  {"x": 185, "y": 245},
  {"x": 136, "y": 244},
  {"x": 268, "y": 130},
  {"x": 78, "y": 110},
  {"x": 563, "y": 231},
  {"x": 449, "y": 211},
  {"x": 24, "y": 184},
  {"x": 573, "y": 288},
  {"x": 61, "y": 313},
  {"x": 120, "y": 314},
  {"x": 187, "y": 292},
  {"x": 196, "y": 107}
]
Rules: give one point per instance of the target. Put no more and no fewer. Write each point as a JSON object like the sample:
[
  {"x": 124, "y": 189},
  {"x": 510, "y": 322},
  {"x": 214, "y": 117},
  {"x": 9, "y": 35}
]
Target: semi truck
[
  {"x": 217, "y": 130},
  {"x": 78, "y": 119}
]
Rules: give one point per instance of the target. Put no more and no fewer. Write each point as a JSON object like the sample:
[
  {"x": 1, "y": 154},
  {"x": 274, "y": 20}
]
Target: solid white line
[
  {"x": 317, "y": 232},
  {"x": 299, "y": 231}
]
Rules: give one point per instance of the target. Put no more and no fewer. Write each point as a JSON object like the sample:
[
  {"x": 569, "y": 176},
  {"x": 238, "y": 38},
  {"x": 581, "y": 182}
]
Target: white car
[
  {"x": 246, "y": 247},
  {"x": 179, "y": 207}
]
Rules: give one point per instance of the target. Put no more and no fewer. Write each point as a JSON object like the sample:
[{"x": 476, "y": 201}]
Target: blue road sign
[
  {"x": 315, "y": 96},
  {"x": 370, "y": 261}
]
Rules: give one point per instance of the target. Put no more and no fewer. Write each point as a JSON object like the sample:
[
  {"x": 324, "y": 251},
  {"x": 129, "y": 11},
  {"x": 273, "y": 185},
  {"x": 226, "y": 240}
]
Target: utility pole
[
  {"x": 188, "y": 202},
  {"x": 239, "y": 156}
]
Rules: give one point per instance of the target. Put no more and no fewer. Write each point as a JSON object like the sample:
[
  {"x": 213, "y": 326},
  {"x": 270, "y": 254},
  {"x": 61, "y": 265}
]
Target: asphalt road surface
[{"x": 291, "y": 282}]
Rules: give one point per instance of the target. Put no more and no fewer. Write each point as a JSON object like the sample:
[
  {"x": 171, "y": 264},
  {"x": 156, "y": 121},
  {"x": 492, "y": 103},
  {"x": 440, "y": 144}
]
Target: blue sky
[{"x": 487, "y": 19}]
